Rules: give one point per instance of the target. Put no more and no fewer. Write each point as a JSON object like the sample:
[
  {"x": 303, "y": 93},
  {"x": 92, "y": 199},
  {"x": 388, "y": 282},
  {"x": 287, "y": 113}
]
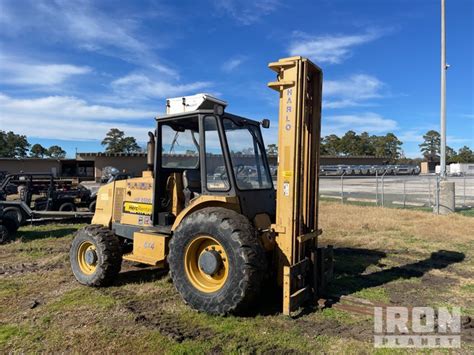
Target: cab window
[
  {"x": 180, "y": 145},
  {"x": 246, "y": 153},
  {"x": 216, "y": 172}
]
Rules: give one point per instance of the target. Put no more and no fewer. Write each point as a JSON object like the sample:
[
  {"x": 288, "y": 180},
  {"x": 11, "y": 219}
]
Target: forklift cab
[{"x": 210, "y": 153}]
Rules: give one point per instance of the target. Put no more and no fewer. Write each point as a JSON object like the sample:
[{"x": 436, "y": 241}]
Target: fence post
[
  {"x": 464, "y": 190},
  {"x": 383, "y": 188},
  {"x": 437, "y": 194},
  {"x": 429, "y": 193},
  {"x": 342, "y": 187},
  {"x": 376, "y": 187},
  {"x": 404, "y": 193}
]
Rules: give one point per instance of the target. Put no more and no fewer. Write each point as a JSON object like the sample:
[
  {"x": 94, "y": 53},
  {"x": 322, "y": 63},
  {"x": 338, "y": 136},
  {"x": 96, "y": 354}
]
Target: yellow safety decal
[
  {"x": 287, "y": 173},
  {"x": 137, "y": 208}
]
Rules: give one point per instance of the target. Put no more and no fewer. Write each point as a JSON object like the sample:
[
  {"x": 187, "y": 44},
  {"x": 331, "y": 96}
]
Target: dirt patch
[
  {"x": 247, "y": 345},
  {"x": 22, "y": 268},
  {"x": 419, "y": 294},
  {"x": 435, "y": 281},
  {"x": 362, "y": 331},
  {"x": 168, "y": 324}
]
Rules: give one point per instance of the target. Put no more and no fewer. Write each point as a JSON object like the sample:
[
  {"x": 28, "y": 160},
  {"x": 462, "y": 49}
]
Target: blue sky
[{"x": 70, "y": 70}]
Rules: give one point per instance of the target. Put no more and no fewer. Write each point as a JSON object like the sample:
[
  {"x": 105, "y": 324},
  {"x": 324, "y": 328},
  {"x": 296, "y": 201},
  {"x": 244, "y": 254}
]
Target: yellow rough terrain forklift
[{"x": 207, "y": 208}]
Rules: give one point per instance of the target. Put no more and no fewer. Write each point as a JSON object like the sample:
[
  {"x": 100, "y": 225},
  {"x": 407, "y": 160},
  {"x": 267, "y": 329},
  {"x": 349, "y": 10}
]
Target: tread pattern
[
  {"x": 109, "y": 254},
  {"x": 247, "y": 260}
]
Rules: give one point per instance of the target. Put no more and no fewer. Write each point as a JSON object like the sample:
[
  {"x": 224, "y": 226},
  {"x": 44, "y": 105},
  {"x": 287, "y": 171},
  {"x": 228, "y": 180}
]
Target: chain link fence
[{"x": 395, "y": 191}]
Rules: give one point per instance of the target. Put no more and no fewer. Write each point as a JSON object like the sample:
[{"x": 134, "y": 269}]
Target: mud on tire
[
  {"x": 108, "y": 251},
  {"x": 246, "y": 260}
]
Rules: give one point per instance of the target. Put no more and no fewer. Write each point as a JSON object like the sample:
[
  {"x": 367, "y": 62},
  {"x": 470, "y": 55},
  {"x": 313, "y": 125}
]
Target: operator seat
[{"x": 191, "y": 185}]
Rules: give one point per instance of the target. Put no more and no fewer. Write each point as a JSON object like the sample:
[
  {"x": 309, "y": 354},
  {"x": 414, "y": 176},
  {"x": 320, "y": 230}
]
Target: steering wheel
[{"x": 239, "y": 168}]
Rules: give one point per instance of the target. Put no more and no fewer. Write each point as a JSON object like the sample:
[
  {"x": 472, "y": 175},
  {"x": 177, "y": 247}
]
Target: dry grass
[{"x": 383, "y": 255}]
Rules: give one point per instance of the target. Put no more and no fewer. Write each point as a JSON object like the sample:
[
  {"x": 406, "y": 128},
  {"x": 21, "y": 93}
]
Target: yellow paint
[
  {"x": 203, "y": 201},
  {"x": 135, "y": 206},
  {"x": 200, "y": 280},
  {"x": 148, "y": 248},
  {"x": 174, "y": 185},
  {"x": 85, "y": 267},
  {"x": 104, "y": 205},
  {"x": 299, "y": 84}
]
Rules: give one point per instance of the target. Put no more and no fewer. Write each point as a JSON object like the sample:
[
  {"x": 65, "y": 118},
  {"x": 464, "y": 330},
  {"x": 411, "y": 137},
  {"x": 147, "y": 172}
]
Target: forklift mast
[{"x": 299, "y": 83}]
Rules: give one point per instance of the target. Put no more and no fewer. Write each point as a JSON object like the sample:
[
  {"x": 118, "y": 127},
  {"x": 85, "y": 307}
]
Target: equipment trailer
[
  {"x": 51, "y": 202},
  {"x": 213, "y": 215}
]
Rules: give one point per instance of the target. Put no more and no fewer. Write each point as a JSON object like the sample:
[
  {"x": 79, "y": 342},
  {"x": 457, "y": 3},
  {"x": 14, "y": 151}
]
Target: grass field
[{"x": 389, "y": 256}]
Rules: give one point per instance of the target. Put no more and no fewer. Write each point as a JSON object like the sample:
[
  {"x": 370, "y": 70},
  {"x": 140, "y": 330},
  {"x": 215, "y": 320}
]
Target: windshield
[
  {"x": 246, "y": 147},
  {"x": 179, "y": 145}
]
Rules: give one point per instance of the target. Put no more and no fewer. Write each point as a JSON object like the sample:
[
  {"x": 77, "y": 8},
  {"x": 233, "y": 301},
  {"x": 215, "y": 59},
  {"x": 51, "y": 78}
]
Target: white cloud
[
  {"x": 83, "y": 25},
  {"x": 411, "y": 136},
  {"x": 247, "y": 12},
  {"x": 352, "y": 91},
  {"x": 69, "y": 118},
  {"x": 332, "y": 49},
  {"x": 365, "y": 122},
  {"x": 15, "y": 72},
  {"x": 232, "y": 64},
  {"x": 141, "y": 86}
]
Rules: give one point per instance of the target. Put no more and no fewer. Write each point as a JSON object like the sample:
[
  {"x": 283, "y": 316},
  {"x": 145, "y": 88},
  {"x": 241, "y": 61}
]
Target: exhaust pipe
[{"x": 150, "y": 152}]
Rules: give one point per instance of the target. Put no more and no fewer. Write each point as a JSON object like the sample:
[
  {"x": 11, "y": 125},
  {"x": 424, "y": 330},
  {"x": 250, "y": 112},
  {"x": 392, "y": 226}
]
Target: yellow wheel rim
[
  {"x": 199, "y": 279},
  {"x": 87, "y": 267}
]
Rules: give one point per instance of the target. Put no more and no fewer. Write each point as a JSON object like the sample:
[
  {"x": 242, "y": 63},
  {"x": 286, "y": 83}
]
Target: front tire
[
  {"x": 216, "y": 261},
  {"x": 95, "y": 256}
]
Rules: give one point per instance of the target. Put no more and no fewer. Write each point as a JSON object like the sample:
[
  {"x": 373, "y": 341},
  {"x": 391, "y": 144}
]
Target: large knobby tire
[
  {"x": 236, "y": 284},
  {"x": 95, "y": 256}
]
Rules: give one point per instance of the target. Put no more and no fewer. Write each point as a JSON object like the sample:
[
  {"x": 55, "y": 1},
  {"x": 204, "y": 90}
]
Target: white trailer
[{"x": 461, "y": 169}]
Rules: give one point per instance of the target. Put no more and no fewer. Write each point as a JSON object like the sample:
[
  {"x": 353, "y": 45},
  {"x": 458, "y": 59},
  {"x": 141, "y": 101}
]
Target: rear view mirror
[{"x": 265, "y": 123}]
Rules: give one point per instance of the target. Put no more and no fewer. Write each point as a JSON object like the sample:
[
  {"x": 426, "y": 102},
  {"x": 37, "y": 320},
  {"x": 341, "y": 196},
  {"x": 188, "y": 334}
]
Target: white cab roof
[{"x": 192, "y": 103}]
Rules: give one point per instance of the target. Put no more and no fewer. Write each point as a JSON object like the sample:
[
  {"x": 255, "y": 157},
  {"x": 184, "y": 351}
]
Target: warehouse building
[{"x": 89, "y": 166}]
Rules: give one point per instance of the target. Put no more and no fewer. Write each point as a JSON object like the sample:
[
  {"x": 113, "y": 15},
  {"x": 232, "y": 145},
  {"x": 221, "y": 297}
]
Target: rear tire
[
  {"x": 10, "y": 223},
  {"x": 4, "y": 234},
  {"x": 242, "y": 268},
  {"x": 67, "y": 207},
  {"x": 92, "y": 206},
  {"x": 15, "y": 214},
  {"x": 95, "y": 256}
]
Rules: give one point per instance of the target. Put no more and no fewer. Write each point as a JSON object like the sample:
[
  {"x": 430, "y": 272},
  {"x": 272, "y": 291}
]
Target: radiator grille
[{"x": 118, "y": 205}]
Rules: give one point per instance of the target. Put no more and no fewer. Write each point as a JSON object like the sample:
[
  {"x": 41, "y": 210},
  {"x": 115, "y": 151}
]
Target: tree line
[
  {"x": 17, "y": 146},
  {"x": 353, "y": 144},
  {"x": 431, "y": 149},
  {"x": 350, "y": 144},
  {"x": 14, "y": 145}
]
